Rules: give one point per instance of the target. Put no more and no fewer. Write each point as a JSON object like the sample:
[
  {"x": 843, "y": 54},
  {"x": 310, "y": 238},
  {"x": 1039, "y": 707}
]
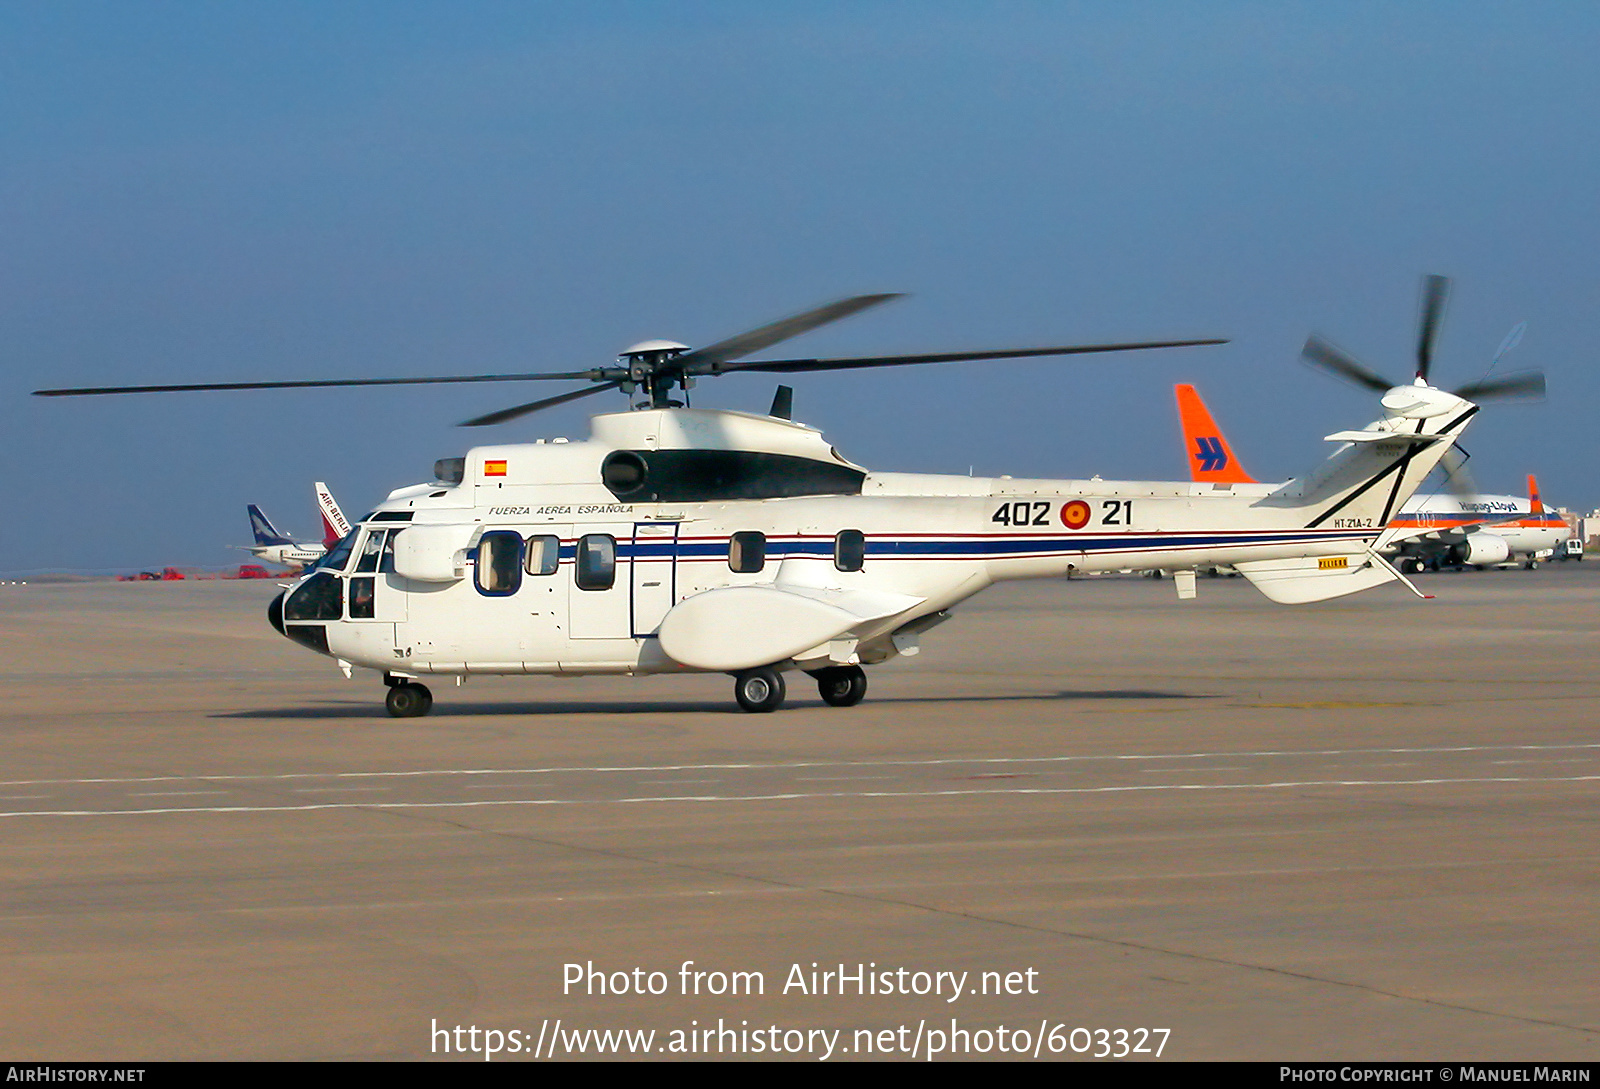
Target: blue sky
[{"x": 205, "y": 192}]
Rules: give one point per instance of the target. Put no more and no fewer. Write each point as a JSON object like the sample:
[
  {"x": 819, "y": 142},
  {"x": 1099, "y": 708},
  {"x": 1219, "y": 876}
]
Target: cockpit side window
[
  {"x": 377, "y": 552},
  {"x": 317, "y": 598}
]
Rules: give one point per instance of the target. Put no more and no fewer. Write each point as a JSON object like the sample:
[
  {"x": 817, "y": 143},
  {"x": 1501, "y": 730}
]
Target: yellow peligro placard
[{"x": 1332, "y": 564}]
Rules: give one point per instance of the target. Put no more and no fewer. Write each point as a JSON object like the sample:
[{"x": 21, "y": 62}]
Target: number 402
[{"x": 1023, "y": 514}]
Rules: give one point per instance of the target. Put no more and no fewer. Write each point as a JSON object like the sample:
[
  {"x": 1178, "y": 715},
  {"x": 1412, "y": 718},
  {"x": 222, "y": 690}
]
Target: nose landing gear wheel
[
  {"x": 841, "y": 686},
  {"x": 759, "y": 690},
  {"x": 409, "y": 700}
]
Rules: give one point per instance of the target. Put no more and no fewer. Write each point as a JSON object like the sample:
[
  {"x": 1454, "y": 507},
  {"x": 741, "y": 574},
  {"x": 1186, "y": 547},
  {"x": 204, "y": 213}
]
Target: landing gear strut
[
  {"x": 841, "y": 686},
  {"x": 407, "y": 699},
  {"x": 759, "y": 690}
]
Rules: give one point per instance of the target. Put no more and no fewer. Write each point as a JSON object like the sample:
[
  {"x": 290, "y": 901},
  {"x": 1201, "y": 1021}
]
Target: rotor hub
[
  {"x": 663, "y": 348},
  {"x": 649, "y": 369}
]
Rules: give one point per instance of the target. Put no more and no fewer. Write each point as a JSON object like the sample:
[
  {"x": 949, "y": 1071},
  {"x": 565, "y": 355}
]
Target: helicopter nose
[{"x": 275, "y": 613}]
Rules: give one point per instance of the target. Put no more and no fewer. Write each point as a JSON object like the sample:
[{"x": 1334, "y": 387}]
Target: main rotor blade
[
  {"x": 534, "y": 406},
  {"x": 707, "y": 360},
  {"x": 793, "y": 365},
  {"x": 1435, "y": 290},
  {"x": 571, "y": 376},
  {"x": 1319, "y": 353},
  {"x": 1528, "y": 384}
]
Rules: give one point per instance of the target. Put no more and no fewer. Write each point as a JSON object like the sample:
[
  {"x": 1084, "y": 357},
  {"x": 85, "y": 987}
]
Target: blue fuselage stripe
[{"x": 981, "y": 548}]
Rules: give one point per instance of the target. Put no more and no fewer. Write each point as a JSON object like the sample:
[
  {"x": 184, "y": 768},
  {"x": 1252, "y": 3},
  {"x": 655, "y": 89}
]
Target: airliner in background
[
  {"x": 275, "y": 547},
  {"x": 1428, "y": 531}
]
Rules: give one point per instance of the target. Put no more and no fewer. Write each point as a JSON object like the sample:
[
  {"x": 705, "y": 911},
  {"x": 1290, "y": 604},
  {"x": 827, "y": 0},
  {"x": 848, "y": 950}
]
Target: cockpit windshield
[{"x": 336, "y": 557}]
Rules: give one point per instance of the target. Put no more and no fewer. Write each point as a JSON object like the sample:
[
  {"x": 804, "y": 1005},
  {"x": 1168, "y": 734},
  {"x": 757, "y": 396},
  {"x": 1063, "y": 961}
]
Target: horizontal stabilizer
[
  {"x": 740, "y": 627},
  {"x": 1382, "y": 436},
  {"x": 1315, "y": 578}
]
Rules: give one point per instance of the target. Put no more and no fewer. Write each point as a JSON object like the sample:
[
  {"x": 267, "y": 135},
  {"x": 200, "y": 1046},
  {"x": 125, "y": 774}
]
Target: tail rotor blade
[
  {"x": 1319, "y": 353},
  {"x": 1521, "y": 386},
  {"x": 1456, "y": 477},
  {"x": 1435, "y": 291}
]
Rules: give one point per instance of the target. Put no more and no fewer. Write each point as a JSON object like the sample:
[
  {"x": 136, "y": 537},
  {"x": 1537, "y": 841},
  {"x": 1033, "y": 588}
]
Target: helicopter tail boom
[{"x": 1364, "y": 483}]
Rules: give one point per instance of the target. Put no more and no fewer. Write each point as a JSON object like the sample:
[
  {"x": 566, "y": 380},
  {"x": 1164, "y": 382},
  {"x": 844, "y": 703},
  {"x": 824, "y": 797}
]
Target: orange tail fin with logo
[{"x": 1211, "y": 459}]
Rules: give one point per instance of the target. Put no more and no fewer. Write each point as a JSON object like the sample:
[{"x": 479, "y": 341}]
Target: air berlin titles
[{"x": 811, "y": 980}]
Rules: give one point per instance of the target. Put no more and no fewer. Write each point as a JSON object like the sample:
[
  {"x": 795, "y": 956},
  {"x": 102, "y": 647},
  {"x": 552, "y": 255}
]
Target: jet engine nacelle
[{"x": 1481, "y": 549}]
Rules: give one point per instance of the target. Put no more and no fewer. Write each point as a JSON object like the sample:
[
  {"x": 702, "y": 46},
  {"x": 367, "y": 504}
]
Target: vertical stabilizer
[
  {"x": 334, "y": 524},
  {"x": 262, "y": 528},
  {"x": 1363, "y": 484},
  {"x": 1535, "y": 504},
  {"x": 1211, "y": 459}
]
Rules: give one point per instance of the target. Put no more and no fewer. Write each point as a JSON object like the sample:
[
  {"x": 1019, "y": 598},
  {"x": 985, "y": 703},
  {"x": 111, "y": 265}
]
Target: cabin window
[
  {"x": 849, "y": 550},
  {"x": 499, "y": 568},
  {"x": 747, "y": 552},
  {"x": 596, "y": 562},
  {"x": 361, "y": 598},
  {"x": 544, "y": 554}
]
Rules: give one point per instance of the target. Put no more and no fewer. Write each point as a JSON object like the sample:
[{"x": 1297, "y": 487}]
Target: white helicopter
[{"x": 679, "y": 540}]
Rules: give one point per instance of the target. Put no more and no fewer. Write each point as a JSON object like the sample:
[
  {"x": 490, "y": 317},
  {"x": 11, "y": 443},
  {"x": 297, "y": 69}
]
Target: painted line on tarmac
[
  {"x": 798, "y": 764},
  {"x": 1304, "y": 784}
]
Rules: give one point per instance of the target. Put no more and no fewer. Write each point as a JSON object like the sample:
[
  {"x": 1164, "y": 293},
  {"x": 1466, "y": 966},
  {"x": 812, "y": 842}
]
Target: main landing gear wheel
[
  {"x": 409, "y": 700},
  {"x": 841, "y": 686},
  {"x": 759, "y": 690}
]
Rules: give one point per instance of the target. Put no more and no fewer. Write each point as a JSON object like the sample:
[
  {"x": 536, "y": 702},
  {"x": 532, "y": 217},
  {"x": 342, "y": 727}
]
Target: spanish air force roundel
[{"x": 1075, "y": 515}]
